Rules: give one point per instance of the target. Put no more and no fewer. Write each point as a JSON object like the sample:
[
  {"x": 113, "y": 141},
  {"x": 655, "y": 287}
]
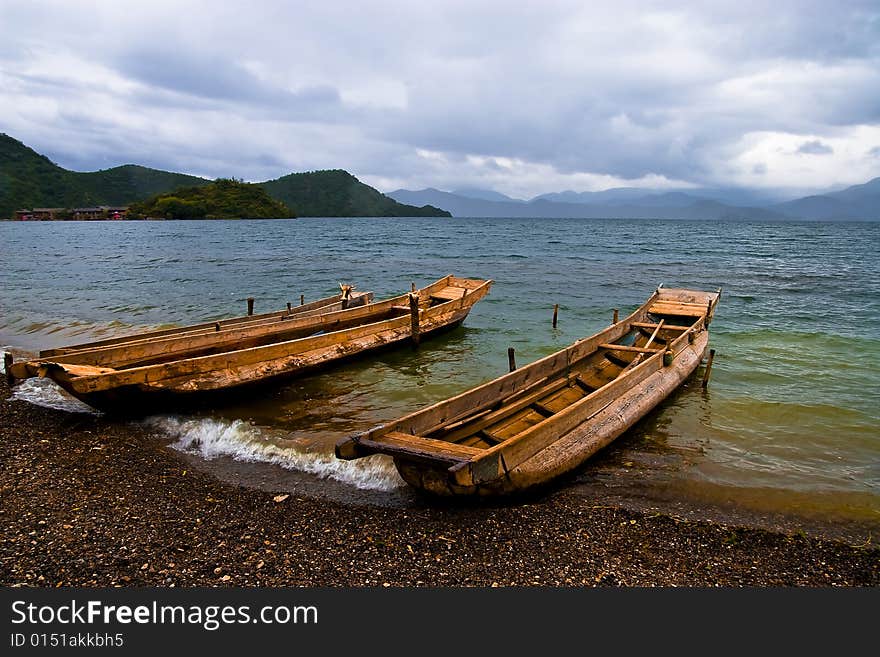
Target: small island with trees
[{"x": 225, "y": 198}]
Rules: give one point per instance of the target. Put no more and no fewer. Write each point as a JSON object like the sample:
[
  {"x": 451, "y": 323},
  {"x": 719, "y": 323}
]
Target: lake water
[{"x": 789, "y": 422}]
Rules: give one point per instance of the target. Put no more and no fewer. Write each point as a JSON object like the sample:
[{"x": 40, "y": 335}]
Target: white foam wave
[
  {"x": 45, "y": 392},
  {"x": 211, "y": 438}
]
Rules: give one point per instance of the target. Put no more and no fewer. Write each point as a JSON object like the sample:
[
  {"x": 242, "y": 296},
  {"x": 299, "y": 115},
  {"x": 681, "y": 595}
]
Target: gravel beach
[{"x": 89, "y": 501}]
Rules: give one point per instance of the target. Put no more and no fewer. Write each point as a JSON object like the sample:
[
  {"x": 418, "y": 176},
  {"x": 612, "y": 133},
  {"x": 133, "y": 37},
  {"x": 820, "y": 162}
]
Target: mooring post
[
  {"x": 614, "y": 318},
  {"x": 708, "y": 368},
  {"x": 414, "y": 318},
  {"x": 289, "y": 306},
  {"x": 555, "y": 313},
  {"x": 302, "y": 299},
  {"x": 7, "y": 367},
  {"x": 250, "y": 302},
  {"x": 216, "y": 326},
  {"x": 511, "y": 359}
]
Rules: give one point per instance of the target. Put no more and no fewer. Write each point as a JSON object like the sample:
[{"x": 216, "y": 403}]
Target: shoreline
[{"x": 87, "y": 501}]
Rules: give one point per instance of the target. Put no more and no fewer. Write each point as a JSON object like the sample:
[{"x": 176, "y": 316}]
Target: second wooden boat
[
  {"x": 348, "y": 297},
  {"x": 536, "y": 423},
  {"x": 143, "y": 373}
]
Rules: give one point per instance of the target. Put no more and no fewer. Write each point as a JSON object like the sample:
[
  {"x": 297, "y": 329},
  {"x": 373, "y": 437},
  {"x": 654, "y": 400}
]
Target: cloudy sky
[{"x": 520, "y": 97}]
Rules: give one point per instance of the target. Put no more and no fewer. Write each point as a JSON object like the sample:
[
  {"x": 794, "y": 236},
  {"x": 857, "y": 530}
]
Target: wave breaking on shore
[
  {"x": 44, "y": 392},
  {"x": 210, "y": 439}
]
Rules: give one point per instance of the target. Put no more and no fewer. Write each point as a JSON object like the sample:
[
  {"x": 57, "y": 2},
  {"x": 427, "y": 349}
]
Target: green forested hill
[
  {"x": 337, "y": 193},
  {"x": 130, "y": 182},
  {"x": 221, "y": 199},
  {"x": 28, "y": 180}
]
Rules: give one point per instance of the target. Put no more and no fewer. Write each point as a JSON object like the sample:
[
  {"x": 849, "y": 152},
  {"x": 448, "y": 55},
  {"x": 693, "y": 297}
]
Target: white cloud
[
  {"x": 776, "y": 159},
  {"x": 511, "y": 176}
]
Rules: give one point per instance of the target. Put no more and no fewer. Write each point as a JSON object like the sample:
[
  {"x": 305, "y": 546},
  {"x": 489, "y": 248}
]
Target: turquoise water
[{"x": 790, "y": 418}]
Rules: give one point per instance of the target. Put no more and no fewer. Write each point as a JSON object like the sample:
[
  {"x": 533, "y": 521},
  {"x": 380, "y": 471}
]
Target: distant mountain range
[
  {"x": 860, "y": 202},
  {"x": 29, "y": 180}
]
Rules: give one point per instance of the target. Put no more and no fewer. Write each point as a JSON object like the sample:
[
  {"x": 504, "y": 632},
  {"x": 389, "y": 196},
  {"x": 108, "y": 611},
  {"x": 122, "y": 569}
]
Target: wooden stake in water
[
  {"x": 414, "y": 318},
  {"x": 289, "y": 306},
  {"x": 708, "y": 368},
  {"x": 250, "y": 302},
  {"x": 302, "y": 299},
  {"x": 511, "y": 359},
  {"x": 614, "y": 318},
  {"x": 216, "y": 326},
  {"x": 7, "y": 366},
  {"x": 555, "y": 313}
]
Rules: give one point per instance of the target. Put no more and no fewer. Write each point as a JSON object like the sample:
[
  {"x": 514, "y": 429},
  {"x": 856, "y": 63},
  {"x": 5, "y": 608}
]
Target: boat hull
[
  {"x": 574, "y": 448},
  {"x": 144, "y": 399}
]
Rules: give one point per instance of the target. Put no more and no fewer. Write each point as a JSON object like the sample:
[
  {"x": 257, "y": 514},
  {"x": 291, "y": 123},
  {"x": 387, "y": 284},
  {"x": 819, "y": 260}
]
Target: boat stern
[
  {"x": 682, "y": 302},
  {"x": 434, "y": 466}
]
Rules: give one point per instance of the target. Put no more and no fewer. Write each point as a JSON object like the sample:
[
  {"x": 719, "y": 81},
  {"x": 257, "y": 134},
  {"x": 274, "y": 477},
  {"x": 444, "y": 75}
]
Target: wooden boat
[
  {"x": 141, "y": 373},
  {"x": 348, "y": 297},
  {"x": 538, "y": 422}
]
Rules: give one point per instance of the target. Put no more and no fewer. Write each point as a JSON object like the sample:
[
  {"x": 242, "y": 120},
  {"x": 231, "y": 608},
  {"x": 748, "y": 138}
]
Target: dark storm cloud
[
  {"x": 192, "y": 74},
  {"x": 212, "y": 78}
]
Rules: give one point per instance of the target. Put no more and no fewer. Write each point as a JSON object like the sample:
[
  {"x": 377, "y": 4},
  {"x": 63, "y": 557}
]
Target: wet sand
[{"x": 89, "y": 501}]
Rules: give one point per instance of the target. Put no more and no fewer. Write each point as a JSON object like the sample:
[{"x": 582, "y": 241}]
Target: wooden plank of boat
[
  {"x": 544, "y": 419},
  {"x": 677, "y": 309},
  {"x": 420, "y": 447},
  {"x": 626, "y": 347},
  {"x": 180, "y": 365}
]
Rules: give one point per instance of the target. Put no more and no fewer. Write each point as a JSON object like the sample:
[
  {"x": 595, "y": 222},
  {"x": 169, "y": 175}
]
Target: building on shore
[
  {"x": 39, "y": 214},
  {"x": 88, "y": 214},
  {"x": 98, "y": 213}
]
